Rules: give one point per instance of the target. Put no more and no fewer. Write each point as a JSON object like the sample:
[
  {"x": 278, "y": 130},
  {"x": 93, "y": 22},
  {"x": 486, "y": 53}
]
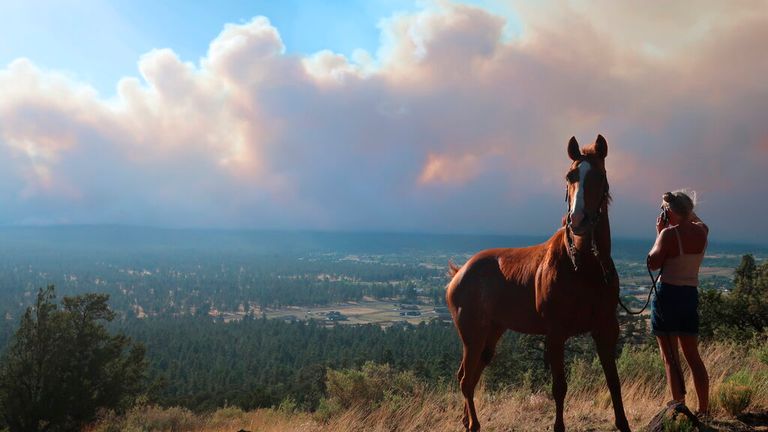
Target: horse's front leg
[
  {"x": 605, "y": 341},
  {"x": 556, "y": 356}
]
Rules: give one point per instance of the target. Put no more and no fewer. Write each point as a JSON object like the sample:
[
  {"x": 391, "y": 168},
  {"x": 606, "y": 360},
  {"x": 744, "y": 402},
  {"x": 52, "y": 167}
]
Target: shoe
[{"x": 703, "y": 416}]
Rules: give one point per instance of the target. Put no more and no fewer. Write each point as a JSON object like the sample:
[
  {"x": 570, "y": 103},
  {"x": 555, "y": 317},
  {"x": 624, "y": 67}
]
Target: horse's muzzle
[
  {"x": 580, "y": 230},
  {"x": 580, "y": 225}
]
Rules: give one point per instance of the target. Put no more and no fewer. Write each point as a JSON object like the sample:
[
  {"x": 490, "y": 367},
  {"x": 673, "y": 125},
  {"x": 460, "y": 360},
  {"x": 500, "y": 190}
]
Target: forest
[
  {"x": 162, "y": 272},
  {"x": 197, "y": 361}
]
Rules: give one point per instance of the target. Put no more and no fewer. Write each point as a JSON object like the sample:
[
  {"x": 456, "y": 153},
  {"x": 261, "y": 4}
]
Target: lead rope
[
  {"x": 571, "y": 244},
  {"x": 654, "y": 280},
  {"x": 572, "y": 251},
  {"x": 573, "y": 255},
  {"x": 674, "y": 360}
]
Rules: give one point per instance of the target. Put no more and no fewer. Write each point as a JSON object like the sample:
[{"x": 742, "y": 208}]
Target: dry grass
[{"x": 587, "y": 409}]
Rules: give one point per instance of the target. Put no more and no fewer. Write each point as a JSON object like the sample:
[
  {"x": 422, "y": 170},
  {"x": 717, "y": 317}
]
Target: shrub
[
  {"x": 585, "y": 375},
  {"x": 155, "y": 418},
  {"x": 518, "y": 363},
  {"x": 762, "y": 354},
  {"x": 742, "y": 378},
  {"x": 288, "y": 406},
  {"x": 227, "y": 414},
  {"x": 326, "y": 409},
  {"x": 370, "y": 385},
  {"x": 735, "y": 394},
  {"x": 108, "y": 421},
  {"x": 734, "y": 398},
  {"x": 678, "y": 423},
  {"x": 761, "y": 350},
  {"x": 352, "y": 387},
  {"x": 644, "y": 365}
]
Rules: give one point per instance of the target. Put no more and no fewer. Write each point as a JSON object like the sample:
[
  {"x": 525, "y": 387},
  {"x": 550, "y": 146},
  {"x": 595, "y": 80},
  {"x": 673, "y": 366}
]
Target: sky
[{"x": 433, "y": 116}]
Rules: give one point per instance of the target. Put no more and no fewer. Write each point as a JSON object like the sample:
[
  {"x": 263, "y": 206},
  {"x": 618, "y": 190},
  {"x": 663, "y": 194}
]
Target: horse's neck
[{"x": 603, "y": 236}]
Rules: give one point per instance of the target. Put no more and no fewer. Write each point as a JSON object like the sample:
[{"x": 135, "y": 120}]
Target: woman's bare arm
[{"x": 658, "y": 252}]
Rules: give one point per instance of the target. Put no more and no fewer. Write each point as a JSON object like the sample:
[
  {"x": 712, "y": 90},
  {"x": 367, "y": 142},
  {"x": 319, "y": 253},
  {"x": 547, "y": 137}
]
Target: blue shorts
[{"x": 674, "y": 310}]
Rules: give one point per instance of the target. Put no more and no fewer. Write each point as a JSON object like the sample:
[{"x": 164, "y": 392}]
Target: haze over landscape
[
  {"x": 390, "y": 116},
  {"x": 266, "y": 215}
]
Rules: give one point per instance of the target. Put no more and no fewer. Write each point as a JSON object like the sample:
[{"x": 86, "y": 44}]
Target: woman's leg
[
  {"x": 690, "y": 346},
  {"x": 671, "y": 357}
]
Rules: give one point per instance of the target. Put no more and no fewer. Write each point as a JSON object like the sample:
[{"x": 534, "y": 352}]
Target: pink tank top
[{"x": 684, "y": 268}]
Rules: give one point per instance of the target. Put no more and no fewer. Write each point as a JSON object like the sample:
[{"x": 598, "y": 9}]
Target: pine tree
[
  {"x": 761, "y": 281},
  {"x": 744, "y": 275},
  {"x": 63, "y": 365}
]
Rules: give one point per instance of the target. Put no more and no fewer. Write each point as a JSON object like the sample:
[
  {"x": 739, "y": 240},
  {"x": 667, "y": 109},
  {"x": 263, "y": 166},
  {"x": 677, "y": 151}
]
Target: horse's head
[{"x": 587, "y": 184}]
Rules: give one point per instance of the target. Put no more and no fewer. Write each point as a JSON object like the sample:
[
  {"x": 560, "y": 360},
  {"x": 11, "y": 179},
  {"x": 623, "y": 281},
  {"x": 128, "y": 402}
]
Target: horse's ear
[
  {"x": 601, "y": 146},
  {"x": 573, "y": 149}
]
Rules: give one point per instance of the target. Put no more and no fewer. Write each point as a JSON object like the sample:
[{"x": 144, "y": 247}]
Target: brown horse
[{"x": 563, "y": 287}]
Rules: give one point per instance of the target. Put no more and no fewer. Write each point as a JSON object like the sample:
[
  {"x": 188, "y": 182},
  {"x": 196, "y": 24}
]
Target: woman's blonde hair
[{"x": 680, "y": 201}]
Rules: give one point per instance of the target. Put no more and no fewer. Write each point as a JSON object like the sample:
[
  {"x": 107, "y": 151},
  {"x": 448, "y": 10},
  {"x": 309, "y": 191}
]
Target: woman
[{"x": 679, "y": 249}]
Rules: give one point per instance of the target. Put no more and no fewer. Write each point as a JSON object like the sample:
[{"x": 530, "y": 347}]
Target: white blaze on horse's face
[{"x": 577, "y": 204}]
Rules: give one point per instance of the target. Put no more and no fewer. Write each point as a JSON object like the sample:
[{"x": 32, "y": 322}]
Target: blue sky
[{"x": 101, "y": 41}]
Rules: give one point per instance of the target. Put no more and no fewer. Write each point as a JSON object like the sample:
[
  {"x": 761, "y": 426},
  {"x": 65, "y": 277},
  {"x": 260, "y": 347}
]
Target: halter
[
  {"x": 573, "y": 252},
  {"x": 573, "y": 255},
  {"x": 593, "y": 221}
]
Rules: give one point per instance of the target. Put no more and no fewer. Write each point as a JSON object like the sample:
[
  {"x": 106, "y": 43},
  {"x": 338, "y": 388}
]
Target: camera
[{"x": 664, "y": 215}]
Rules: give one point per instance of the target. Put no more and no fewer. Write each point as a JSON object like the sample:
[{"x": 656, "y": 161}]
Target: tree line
[{"x": 67, "y": 360}]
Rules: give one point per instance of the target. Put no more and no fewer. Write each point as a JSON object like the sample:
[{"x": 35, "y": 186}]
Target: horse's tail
[{"x": 452, "y": 269}]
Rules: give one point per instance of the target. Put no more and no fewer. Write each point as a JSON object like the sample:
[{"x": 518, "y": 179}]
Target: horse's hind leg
[
  {"x": 471, "y": 364},
  {"x": 477, "y": 355},
  {"x": 459, "y": 378},
  {"x": 490, "y": 344},
  {"x": 605, "y": 342},
  {"x": 473, "y": 336}
]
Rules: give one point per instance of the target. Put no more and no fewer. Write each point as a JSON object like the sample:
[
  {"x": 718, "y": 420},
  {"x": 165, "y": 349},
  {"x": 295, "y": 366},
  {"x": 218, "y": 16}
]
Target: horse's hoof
[{"x": 623, "y": 426}]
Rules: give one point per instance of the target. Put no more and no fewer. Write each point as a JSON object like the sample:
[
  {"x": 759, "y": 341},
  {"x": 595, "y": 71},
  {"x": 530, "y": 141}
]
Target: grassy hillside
[{"x": 376, "y": 401}]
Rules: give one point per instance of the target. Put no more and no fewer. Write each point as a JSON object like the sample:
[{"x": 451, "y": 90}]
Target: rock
[{"x": 676, "y": 416}]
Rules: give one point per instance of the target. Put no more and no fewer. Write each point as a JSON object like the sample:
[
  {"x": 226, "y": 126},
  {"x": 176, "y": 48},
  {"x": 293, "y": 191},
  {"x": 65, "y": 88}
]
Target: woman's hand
[{"x": 661, "y": 223}]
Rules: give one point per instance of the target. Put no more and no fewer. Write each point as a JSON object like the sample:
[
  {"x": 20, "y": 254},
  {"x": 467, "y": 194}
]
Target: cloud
[{"x": 449, "y": 126}]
